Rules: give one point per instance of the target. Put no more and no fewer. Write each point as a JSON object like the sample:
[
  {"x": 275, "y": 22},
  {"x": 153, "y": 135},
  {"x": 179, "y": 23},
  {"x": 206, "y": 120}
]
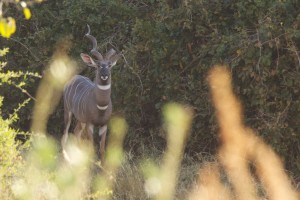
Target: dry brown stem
[{"x": 240, "y": 147}]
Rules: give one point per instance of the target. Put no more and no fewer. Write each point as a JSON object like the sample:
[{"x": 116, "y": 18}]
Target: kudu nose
[
  {"x": 104, "y": 78},
  {"x": 104, "y": 73}
]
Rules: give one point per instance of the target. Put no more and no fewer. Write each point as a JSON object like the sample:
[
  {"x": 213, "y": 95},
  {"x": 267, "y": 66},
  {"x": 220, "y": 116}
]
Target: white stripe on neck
[
  {"x": 102, "y": 107},
  {"x": 103, "y": 87}
]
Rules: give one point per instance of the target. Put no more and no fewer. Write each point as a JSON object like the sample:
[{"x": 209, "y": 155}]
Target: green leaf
[{"x": 4, "y": 51}]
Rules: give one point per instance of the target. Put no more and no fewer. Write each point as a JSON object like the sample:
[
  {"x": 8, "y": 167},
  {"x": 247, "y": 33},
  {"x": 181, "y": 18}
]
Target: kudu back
[{"x": 88, "y": 101}]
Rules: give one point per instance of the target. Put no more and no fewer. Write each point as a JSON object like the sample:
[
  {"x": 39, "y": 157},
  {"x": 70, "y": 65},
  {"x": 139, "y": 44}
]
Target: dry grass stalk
[
  {"x": 210, "y": 186},
  {"x": 271, "y": 172},
  {"x": 113, "y": 159},
  {"x": 60, "y": 70},
  {"x": 177, "y": 121},
  {"x": 240, "y": 146},
  {"x": 233, "y": 153}
]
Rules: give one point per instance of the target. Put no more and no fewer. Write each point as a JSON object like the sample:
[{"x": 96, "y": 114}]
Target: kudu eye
[{"x": 102, "y": 66}]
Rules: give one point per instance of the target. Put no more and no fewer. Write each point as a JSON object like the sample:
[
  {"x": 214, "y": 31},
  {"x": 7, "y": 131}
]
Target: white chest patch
[
  {"x": 102, "y": 107},
  {"x": 104, "y": 87}
]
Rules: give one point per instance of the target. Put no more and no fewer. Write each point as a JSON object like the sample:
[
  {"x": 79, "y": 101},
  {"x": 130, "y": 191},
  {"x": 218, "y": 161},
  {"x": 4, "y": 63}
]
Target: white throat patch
[
  {"x": 104, "y": 87},
  {"x": 102, "y": 107}
]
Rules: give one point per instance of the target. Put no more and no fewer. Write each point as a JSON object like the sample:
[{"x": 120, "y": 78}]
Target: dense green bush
[
  {"x": 11, "y": 160},
  {"x": 168, "y": 48}
]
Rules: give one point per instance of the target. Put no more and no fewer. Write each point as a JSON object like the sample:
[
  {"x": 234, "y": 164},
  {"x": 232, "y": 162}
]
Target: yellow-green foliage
[
  {"x": 45, "y": 177},
  {"x": 8, "y": 24},
  {"x": 10, "y": 159}
]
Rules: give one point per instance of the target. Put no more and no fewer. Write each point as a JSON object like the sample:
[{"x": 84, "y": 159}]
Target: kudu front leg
[
  {"x": 102, "y": 134},
  {"x": 67, "y": 119}
]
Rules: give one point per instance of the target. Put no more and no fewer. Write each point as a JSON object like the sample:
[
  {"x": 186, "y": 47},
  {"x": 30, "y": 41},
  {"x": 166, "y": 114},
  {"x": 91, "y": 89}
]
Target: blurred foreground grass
[{"x": 41, "y": 172}]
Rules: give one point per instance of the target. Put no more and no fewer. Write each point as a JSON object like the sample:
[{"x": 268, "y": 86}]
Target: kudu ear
[
  {"x": 115, "y": 58},
  {"x": 88, "y": 60}
]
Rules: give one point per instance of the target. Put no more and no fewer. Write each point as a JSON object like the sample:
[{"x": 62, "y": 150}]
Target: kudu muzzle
[{"x": 104, "y": 72}]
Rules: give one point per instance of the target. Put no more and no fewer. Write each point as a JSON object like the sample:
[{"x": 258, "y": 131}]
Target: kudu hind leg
[
  {"x": 84, "y": 131},
  {"x": 79, "y": 129},
  {"x": 102, "y": 134},
  {"x": 67, "y": 119}
]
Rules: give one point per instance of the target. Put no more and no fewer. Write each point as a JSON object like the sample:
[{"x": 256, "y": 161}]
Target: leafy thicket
[
  {"x": 10, "y": 150},
  {"x": 168, "y": 48}
]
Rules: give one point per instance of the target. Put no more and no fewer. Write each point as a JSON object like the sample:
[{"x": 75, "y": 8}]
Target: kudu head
[{"x": 102, "y": 64}]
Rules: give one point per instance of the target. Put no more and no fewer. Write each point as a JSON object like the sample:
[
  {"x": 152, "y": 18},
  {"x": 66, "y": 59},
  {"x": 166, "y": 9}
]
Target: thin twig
[
  {"x": 35, "y": 57},
  {"x": 281, "y": 113},
  {"x": 277, "y": 48},
  {"x": 142, "y": 87},
  {"x": 260, "y": 52},
  {"x": 190, "y": 64},
  {"x": 294, "y": 49},
  {"x": 25, "y": 92}
]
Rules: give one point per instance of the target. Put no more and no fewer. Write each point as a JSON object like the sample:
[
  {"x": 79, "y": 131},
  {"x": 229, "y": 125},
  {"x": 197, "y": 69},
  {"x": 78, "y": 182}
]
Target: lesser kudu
[{"x": 88, "y": 101}]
